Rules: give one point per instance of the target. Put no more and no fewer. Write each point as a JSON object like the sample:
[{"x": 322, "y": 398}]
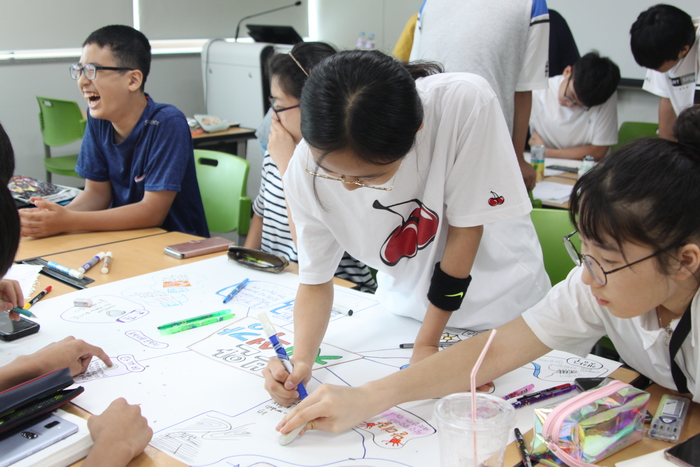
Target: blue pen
[
  {"x": 235, "y": 290},
  {"x": 281, "y": 353}
]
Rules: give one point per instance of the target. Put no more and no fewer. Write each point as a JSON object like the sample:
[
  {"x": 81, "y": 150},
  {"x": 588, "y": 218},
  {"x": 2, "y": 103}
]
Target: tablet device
[{"x": 25, "y": 441}]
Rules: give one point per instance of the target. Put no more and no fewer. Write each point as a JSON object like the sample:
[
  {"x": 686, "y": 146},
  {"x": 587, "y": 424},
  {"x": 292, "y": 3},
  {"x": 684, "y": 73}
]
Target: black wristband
[{"x": 447, "y": 292}]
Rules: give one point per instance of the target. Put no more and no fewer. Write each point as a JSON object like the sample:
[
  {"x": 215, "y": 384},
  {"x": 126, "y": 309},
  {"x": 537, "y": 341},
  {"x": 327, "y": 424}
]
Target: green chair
[
  {"x": 61, "y": 123},
  {"x": 551, "y": 226},
  {"x": 223, "y": 179},
  {"x": 633, "y": 130}
]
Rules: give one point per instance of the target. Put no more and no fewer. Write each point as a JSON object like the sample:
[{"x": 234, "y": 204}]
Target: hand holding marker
[{"x": 269, "y": 329}]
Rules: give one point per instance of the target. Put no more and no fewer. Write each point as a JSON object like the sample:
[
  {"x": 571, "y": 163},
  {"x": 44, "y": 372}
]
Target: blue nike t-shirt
[{"x": 156, "y": 156}]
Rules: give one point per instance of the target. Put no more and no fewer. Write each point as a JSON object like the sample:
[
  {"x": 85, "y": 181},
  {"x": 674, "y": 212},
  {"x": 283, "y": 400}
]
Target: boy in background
[
  {"x": 664, "y": 39},
  {"x": 136, "y": 154},
  {"x": 577, "y": 114}
]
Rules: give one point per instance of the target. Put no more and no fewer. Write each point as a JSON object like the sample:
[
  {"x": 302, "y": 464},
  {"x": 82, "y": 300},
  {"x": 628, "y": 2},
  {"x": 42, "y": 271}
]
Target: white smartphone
[{"x": 26, "y": 441}]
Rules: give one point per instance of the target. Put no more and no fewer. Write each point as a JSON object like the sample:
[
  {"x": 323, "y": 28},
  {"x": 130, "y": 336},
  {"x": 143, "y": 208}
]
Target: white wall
[
  {"x": 176, "y": 79},
  {"x": 340, "y": 21}
]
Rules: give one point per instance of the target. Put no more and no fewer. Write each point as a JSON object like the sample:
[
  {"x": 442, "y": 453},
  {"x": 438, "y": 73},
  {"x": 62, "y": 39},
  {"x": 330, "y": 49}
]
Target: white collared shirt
[{"x": 570, "y": 319}]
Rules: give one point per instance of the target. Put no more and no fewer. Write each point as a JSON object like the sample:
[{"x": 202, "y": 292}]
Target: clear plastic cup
[{"x": 459, "y": 436}]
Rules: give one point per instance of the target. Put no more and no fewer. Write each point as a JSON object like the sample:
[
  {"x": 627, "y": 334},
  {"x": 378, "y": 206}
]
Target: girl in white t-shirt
[
  {"x": 636, "y": 213},
  {"x": 413, "y": 173}
]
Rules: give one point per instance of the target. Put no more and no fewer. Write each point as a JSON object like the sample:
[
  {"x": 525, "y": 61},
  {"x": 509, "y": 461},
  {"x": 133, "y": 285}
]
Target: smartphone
[
  {"x": 24, "y": 442},
  {"x": 584, "y": 384},
  {"x": 11, "y": 330},
  {"x": 198, "y": 247},
  {"x": 686, "y": 454}
]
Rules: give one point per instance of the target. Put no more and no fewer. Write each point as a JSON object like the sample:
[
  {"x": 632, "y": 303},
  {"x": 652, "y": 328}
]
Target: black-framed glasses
[
  {"x": 341, "y": 179},
  {"x": 279, "y": 111},
  {"x": 571, "y": 101},
  {"x": 89, "y": 70},
  {"x": 594, "y": 268}
]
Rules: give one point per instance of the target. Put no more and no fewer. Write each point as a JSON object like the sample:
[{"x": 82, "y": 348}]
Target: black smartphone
[
  {"x": 686, "y": 454},
  {"x": 584, "y": 384},
  {"x": 11, "y": 330}
]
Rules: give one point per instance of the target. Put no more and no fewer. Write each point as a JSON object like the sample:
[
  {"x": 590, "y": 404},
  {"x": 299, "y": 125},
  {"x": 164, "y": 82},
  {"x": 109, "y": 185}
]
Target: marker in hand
[{"x": 269, "y": 329}]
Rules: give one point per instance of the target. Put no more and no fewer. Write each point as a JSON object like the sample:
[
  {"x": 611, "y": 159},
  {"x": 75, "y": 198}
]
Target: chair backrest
[
  {"x": 551, "y": 226},
  {"x": 61, "y": 121},
  {"x": 633, "y": 130},
  {"x": 223, "y": 179}
]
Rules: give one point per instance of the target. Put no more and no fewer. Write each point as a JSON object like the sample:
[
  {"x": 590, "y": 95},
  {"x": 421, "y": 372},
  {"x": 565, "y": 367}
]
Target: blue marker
[
  {"x": 235, "y": 290},
  {"x": 281, "y": 353}
]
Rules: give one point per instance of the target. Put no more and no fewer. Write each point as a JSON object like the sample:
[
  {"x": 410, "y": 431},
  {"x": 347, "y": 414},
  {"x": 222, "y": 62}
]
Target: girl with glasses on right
[{"x": 637, "y": 215}]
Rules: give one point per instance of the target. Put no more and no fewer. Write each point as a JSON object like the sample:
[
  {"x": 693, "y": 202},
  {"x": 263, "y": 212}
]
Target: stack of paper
[
  {"x": 27, "y": 276},
  {"x": 552, "y": 192}
]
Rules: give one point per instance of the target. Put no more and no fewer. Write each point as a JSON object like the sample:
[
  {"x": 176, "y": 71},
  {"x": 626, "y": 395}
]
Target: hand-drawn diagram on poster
[
  {"x": 106, "y": 309},
  {"x": 121, "y": 365},
  {"x": 206, "y": 411},
  {"x": 244, "y": 345},
  {"x": 566, "y": 368},
  {"x": 214, "y": 438},
  {"x": 168, "y": 289}
]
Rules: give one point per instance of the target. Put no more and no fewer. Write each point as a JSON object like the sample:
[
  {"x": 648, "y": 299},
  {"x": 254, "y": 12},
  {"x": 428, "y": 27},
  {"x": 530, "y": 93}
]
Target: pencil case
[
  {"x": 28, "y": 401},
  {"x": 591, "y": 426},
  {"x": 257, "y": 259}
]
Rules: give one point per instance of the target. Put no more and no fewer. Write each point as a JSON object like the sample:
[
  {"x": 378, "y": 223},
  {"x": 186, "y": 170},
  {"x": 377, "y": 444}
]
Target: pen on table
[
  {"x": 107, "y": 263},
  {"x": 65, "y": 270},
  {"x": 521, "y": 447},
  {"x": 520, "y": 392},
  {"x": 235, "y": 290},
  {"x": 194, "y": 319},
  {"x": 93, "y": 261},
  {"x": 37, "y": 297},
  {"x": 196, "y": 324},
  {"x": 547, "y": 395},
  {"x": 544, "y": 391},
  {"x": 441, "y": 345},
  {"x": 342, "y": 309}
]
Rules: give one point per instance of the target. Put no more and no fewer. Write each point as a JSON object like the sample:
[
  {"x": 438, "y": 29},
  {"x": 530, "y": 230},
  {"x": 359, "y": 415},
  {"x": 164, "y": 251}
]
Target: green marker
[
  {"x": 193, "y": 320},
  {"x": 196, "y": 324}
]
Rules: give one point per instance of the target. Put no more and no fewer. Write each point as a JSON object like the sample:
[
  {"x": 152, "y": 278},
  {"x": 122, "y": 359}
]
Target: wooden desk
[
  {"x": 233, "y": 141},
  {"x": 645, "y": 446},
  {"x": 33, "y": 247}
]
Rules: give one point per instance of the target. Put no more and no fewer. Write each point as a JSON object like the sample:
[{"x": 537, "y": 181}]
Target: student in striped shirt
[{"x": 272, "y": 228}]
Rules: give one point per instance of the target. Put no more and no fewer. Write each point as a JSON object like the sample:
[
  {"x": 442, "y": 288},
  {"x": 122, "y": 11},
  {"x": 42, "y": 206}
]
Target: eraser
[
  {"x": 287, "y": 438},
  {"x": 83, "y": 302}
]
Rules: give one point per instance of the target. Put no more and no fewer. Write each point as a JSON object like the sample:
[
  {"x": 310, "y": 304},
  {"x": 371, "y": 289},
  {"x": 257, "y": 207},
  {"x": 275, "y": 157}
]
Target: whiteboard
[{"x": 604, "y": 25}]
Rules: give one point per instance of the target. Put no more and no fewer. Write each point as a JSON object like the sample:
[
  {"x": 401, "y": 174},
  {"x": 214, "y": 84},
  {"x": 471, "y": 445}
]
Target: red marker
[{"x": 38, "y": 297}]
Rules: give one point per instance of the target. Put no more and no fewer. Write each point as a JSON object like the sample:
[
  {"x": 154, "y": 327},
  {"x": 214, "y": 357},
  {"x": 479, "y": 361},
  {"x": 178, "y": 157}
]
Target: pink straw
[{"x": 473, "y": 384}]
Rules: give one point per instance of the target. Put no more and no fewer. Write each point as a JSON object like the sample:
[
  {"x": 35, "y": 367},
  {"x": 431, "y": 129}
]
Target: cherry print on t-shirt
[{"x": 413, "y": 234}]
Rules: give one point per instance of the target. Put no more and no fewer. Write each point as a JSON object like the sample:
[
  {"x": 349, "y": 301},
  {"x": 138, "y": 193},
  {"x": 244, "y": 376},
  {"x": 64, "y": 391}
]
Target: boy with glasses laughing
[
  {"x": 576, "y": 115},
  {"x": 136, "y": 155}
]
